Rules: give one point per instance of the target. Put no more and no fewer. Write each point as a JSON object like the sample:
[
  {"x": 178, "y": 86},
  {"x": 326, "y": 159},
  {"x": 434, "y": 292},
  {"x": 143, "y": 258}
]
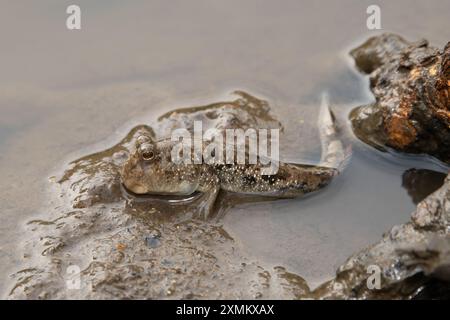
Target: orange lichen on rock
[
  {"x": 400, "y": 130},
  {"x": 411, "y": 84},
  {"x": 401, "y": 133}
]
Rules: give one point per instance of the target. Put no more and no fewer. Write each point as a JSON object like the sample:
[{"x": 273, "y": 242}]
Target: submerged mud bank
[
  {"x": 135, "y": 252},
  {"x": 96, "y": 241}
]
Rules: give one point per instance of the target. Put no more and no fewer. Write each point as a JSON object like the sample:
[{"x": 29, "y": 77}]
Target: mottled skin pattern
[
  {"x": 159, "y": 175},
  {"x": 290, "y": 180},
  {"x": 150, "y": 169},
  {"x": 411, "y": 84}
]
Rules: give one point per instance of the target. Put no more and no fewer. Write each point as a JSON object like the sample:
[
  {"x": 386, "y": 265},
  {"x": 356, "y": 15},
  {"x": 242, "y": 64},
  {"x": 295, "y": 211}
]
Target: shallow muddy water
[{"x": 65, "y": 94}]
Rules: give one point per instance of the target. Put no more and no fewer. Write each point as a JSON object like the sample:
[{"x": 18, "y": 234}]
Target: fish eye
[
  {"x": 148, "y": 155},
  {"x": 147, "y": 152}
]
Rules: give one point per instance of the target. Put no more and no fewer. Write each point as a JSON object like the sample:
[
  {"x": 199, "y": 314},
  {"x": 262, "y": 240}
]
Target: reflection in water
[{"x": 421, "y": 182}]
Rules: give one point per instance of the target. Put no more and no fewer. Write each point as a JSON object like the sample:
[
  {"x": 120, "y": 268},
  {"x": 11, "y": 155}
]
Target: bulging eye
[
  {"x": 147, "y": 152},
  {"x": 148, "y": 155}
]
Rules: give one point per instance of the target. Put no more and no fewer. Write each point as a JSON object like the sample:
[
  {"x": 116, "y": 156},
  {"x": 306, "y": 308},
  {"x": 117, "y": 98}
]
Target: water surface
[{"x": 65, "y": 93}]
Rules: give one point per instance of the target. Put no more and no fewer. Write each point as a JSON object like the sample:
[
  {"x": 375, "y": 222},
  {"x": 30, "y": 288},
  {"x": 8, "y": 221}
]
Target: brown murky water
[{"x": 64, "y": 94}]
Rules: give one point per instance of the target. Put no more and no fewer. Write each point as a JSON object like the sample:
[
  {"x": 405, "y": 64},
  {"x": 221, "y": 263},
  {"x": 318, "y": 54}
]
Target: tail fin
[{"x": 334, "y": 154}]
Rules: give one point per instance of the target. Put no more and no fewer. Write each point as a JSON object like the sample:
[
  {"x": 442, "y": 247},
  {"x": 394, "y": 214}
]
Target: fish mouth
[{"x": 139, "y": 191}]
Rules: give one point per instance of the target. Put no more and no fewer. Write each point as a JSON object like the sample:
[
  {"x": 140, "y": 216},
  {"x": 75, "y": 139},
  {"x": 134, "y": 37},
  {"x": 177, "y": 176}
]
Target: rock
[
  {"x": 411, "y": 85},
  {"x": 412, "y": 258},
  {"x": 421, "y": 182}
]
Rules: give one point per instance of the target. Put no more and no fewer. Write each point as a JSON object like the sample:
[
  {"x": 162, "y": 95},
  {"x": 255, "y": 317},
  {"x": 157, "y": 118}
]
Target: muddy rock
[
  {"x": 420, "y": 183},
  {"x": 413, "y": 259},
  {"x": 411, "y": 85}
]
